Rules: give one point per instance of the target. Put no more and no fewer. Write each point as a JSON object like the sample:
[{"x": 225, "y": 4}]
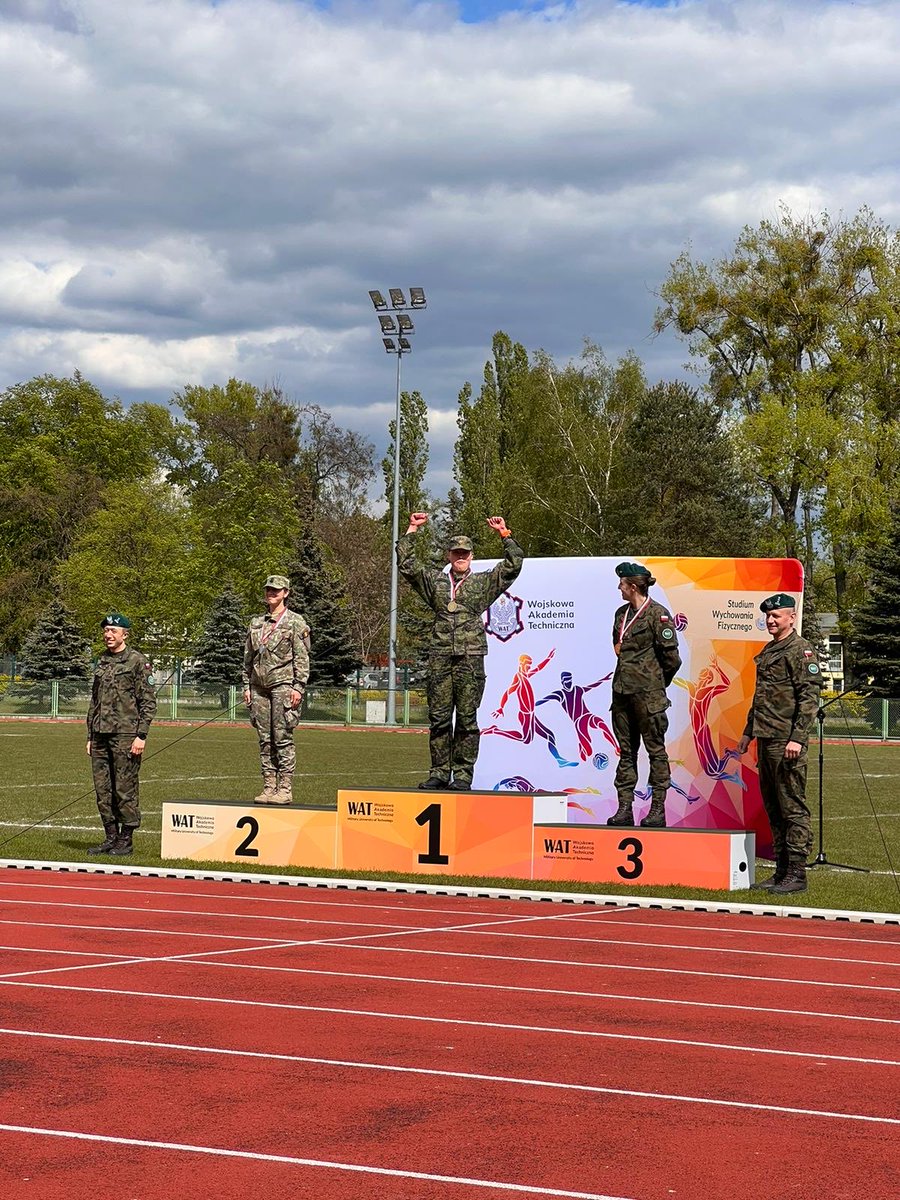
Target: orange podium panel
[
  {"x": 441, "y": 833},
  {"x": 707, "y": 858},
  {"x": 220, "y": 831}
]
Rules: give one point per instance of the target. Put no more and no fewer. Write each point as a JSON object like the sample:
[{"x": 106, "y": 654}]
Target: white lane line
[
  {"x": 376, "y": 1014},
  {"x": 107, "y": 929},
  {"x": 646, "y": 1039},
  {"x": 592, "y": 1089},
  {"x": 71, "y": 953},
  {"x": 573, "y": 917},
  {"x": 359, "y": 1168}
]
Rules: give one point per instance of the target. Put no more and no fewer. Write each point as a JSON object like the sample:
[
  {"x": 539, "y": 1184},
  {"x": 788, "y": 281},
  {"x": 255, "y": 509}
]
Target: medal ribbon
[
  {"x": 454, "y": 585},
  {"x": 267, "y": 632},
  {"x": 626, "y": 625}
]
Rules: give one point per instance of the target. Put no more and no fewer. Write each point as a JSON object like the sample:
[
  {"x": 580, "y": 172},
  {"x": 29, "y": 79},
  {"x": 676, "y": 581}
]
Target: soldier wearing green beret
[
  {"x": 276, "y": 668},
  {"x": 458, "y": 644},
  {"x": 785, "y": 702},
  {"x": 646, "y": 647},
  {"x": 121, "y": 708}
]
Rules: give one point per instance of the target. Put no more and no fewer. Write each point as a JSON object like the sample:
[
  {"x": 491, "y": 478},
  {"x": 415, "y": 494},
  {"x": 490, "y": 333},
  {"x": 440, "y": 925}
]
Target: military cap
[
  {"x": 278, "y": 581},
  {"x": 115, "y": 618},
  {"x": 627, "y": 570},
  {"x": 779, "y": 600},
  {"x": 460, "y": 542}
]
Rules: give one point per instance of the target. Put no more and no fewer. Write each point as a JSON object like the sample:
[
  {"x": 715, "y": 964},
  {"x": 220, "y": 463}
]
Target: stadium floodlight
[{"x": 398, "y": 345}]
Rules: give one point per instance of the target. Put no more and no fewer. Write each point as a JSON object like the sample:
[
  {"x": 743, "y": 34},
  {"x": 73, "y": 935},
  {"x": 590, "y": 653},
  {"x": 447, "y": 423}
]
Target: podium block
[
  {"x": 442, "y": 833},
  {"x": 706, "y": 858},
  {"x": 223, "y": 831}
]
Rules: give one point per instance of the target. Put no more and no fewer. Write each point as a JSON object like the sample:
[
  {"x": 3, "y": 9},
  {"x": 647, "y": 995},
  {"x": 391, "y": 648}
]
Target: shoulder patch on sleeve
[
  {"x": 668, "y": 634},
  {"x": 812, "y": 668}
]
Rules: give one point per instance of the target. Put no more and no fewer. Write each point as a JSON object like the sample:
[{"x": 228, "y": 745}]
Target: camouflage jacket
[
  {"x": 648, "y": 657},
  {"x": 122, "y": 700},
  {"x": 461, "y": 631},
  {"x": 788, "y": 684},
  {"x": 277, "y": 651}
]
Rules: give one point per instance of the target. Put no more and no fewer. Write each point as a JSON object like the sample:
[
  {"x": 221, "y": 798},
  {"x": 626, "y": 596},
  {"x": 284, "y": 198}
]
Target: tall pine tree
[
  {"x": 318, "y": 593},
  {"x": 55, "y": 649},
  {"x": 876, "y": 643},
  {"x": 219, "y": 655}
]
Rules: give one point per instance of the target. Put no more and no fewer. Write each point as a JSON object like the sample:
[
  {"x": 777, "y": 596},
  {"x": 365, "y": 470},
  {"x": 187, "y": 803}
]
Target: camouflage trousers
[
  {"x": 455, "y": 688},
  {"x": 641, "y": 717},
  {"x": 274, "y": 720},
  {"x": 782, "y": 782},
  {"x": 115, "y": 771}
]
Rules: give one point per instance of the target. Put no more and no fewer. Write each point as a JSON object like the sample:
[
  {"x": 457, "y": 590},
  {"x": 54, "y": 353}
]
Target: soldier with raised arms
[
  {"x": 785, "y": 702},
  {"x": 456, "y": 678},
  {"x": 646, "y": 647},
  {"x": 121, "y": 708},
  {"x": 276, "y": 668}
]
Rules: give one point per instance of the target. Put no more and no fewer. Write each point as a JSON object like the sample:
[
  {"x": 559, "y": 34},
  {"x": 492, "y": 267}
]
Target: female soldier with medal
[
  {"x": 646, "y": 647},
  {"x": 457, "y": 598}
]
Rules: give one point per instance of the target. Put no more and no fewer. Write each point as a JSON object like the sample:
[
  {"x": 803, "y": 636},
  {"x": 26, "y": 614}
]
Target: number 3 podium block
[
  {"x": 705, "y": 858},
  {"x": 219, "y": 831},
  {"x": 442, "y": 833}
]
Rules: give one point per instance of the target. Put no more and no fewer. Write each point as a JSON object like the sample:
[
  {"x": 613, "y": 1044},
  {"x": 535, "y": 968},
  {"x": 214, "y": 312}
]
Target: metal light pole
[{"x": 395, "y": 335}]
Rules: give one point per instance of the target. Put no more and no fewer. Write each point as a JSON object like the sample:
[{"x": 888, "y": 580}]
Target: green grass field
[{"x": 45, "y": 780}]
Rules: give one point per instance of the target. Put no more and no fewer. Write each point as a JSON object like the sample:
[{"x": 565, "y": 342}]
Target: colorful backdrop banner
[{"x": 545, "y": 718}]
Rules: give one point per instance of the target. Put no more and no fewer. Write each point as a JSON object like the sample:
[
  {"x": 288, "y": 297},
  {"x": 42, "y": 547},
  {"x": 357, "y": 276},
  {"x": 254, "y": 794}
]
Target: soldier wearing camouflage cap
[
  {"x": 785, "y": 702},
  {"x": 121, "y": 708},
  {"x": 276, "y": 668},
  {"x": 647, "y": 660},
  {"x": 458, "y": 644}
]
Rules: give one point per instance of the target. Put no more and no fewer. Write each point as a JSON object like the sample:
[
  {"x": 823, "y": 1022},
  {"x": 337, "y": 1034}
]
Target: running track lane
[{"x": 647, "y": 1145}]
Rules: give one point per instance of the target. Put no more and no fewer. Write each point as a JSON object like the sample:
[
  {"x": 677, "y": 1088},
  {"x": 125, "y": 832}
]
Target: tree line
[{"x": 788, "y": 445}]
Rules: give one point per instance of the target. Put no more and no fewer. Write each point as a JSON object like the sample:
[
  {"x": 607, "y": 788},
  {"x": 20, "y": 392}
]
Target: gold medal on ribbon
[
  {"x": 452, "y": 606},
  {"x": 617, "y": 647}
]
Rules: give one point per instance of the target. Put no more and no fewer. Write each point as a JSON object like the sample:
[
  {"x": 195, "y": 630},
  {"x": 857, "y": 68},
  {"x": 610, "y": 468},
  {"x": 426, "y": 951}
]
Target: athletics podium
[{"x": 505, "y": 835}]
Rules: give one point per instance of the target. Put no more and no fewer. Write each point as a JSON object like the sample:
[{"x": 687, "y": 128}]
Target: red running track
[{"x": 170, "y": 1038}]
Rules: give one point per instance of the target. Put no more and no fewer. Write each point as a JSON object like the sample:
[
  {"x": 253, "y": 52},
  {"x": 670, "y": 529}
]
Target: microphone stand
[{"x": 821, "y": 859}]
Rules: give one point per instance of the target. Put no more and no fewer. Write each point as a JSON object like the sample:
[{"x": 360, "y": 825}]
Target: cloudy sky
[{"x": 196, "y": 189}]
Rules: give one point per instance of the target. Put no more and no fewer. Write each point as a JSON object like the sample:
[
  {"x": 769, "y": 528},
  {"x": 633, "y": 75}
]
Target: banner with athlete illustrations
[{"x": 545, "y": 718}]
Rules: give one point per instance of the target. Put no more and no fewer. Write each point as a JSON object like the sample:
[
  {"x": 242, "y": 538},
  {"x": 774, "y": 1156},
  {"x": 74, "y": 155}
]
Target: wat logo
[{"x": 504, "y": 617}]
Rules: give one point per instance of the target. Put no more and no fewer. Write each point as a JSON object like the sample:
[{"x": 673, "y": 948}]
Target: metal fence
[{"x": 326, "y": 706}]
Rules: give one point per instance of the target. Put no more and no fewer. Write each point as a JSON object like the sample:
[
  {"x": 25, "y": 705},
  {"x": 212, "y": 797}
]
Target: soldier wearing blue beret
[
  {"x": 785, "y": 702},
  {"x": 122, "y": 706}
]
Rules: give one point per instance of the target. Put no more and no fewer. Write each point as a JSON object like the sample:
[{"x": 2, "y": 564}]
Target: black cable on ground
[{"x": 884, "y": 843}]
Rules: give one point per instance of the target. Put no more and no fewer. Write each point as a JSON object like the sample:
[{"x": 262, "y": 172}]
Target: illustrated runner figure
[
  {"x": 711, "y": 682},
  {"x": 571, "y": 697},
  {"x": 529, "y": 724}
]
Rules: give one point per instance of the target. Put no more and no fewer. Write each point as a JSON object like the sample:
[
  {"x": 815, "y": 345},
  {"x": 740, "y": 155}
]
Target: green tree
[
  {"x": 219, "y": 654},
  {"x": 55, "y": 648},
  {"x": 799, "y": 328},
  {"x": 876, "y": 639},
  {"x": 140, "y": 554},
  {"x": 317, "y": 592},
  {"x": 61, "y": 444},
  {"x": 361, "y": 546}
]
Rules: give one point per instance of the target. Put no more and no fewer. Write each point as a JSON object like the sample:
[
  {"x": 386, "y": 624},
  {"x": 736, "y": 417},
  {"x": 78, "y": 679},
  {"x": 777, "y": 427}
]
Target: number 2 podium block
[
  {"x": 219, "y": 831},
  {"x": 704, "y": 858},
  {"x": 442, "y": 833}
]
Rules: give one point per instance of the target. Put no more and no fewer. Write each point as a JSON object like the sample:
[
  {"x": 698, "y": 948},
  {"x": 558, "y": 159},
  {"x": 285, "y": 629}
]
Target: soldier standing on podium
[
  {"x": 458, "y": 644},
  {"x": 276, "y": 668},
  {"x": 646, "y": 646},
  {"x": 788, "y": 683}
]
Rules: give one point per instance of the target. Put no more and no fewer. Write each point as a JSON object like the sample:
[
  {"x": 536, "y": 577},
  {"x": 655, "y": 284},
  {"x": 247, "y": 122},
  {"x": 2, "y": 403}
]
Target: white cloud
[{"x": 193, "y": 190}]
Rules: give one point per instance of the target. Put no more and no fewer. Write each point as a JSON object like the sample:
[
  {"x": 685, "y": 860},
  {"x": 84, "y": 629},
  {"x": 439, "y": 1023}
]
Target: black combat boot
[
  {"x": 112, "y": 834},
  {"x": 123, "y": 844},
  {"x": 623, "y": 814},
  {"x": 432, "y": 784},
  {"x": 794, "y": 881},
  {"x": 656, "y": 814},
  {"x": 781, "y": 870},
  {"x": 460, "y": 785}
]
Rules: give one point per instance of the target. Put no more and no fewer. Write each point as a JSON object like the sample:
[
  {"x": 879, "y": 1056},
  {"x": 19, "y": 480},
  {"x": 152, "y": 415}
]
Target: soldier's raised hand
[
  {"x": 498, "y": 524},
  {"x": 416, "y": 521}
]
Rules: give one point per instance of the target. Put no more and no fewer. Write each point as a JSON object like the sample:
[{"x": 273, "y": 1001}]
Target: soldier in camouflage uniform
[
  {"x": 788, "y": 684},
  {"x": 276, "y": 668},
  {"x": 456, "y": 655},
  {"x": 646, "y": 647},
  {"x": 122, "y": 706}
]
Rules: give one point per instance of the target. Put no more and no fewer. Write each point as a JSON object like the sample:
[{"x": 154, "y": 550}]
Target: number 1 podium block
[
  {"x": 705, "y": 858},
  {"x": 235, "y": 832},
  {"x": 442, "y": 832}
]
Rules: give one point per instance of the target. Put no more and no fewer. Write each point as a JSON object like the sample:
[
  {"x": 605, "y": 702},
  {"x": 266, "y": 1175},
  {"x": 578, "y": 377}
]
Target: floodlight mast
[{"x": 400, "y": 346}]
